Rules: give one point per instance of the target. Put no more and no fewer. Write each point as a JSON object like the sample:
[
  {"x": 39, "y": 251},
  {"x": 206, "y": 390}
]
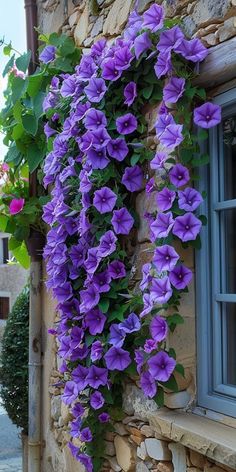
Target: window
[
  {"x": 4, "y": 308},
  {"x": 216, "y": 268}
]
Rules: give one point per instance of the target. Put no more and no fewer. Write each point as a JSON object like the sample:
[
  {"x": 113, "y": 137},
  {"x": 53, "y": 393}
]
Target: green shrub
[{"x": 14, "y": 372}]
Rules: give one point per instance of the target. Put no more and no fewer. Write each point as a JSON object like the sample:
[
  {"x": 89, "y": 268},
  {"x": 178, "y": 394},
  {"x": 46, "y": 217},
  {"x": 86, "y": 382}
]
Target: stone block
[
  {"x": 120, "y": 429},
  {"x": 196, "y": 459},
  {"x": 73, "y": 18},
  {"x": 210, "y": 39},
  {"x": 56, "y": 407},
  {"x": 228, "y": 30},
  {"x": 125, "y": 454},
  {"x": 210, "y": 11},
  {"x": 193, "y": 469},
  {"x": 109, "y": 448},
  {"x": 183, "y": 341},
  {"x": 142, "y": 451},
  {"x": 142, "y": 5},
  {"x": 135, "y": 439},
  {"x": 145, "y": 203},
  {"x": 178, "y": 457},
  {"x": 134, "y": 401},
  {"x": 81, "y": 29},
  {"x": 97, "y": 27},
  {"x": 143, "y": 254},
  {"x": 147, "y": 431},
  {"x": 114, "y": 464},
  {"x": 65, "y": 413},
  {"x": 117, "y": 17},
  {"x": 141, "y": 467},
  {"x": 165, "y": 467},
  {"x": 157, "y": 449},
  {"x": 177, "y": 400},
  {"x": 212, "y": 468}
]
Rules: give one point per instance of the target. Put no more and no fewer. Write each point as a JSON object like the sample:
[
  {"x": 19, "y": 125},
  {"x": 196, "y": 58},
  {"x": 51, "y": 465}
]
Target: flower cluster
[{"x": 96, "y": 135}]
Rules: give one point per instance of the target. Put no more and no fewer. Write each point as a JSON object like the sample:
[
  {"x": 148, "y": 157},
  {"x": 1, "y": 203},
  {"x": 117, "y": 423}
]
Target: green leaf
[
  {"x": 30, "y": 124},
  {"x": 171, "y": 384},
  {"x": 159, "y": 397},
  {"x": 3, "y": 222},
  {"x": 8, "y": 65},
  {"x": 147, "y": 91},
  {"x": 22, "y": 62},
  {"x": 202, "y": 160},
  {"x": 35, "y": 82},
  {"x": 19, "y": 251},
  {"x": 104, "y": 305},
  {"x": 64, "y": 64},
  {"x": 7, "y": 49},
  {"x": 202, "y": 135},
  {"x": 35, "y": 155},
  {"x": 67, "y": 47},
  {"x": 19, "y": 87},
  {"x": 203, "y": 219},
  {"x": 180, "y": 369},
  {"x": 12, "y": 155},
  {"x": 173, "y": 320},
  {"x": 17, "y": 112},
  {"x": 17, "y": 131},
  {"x": 38, "y": 104},
  {"x": 134, "y": 159}
]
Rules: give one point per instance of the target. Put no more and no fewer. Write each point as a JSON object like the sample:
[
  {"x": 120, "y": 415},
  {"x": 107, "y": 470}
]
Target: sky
[{"x": 12, "y": 28}]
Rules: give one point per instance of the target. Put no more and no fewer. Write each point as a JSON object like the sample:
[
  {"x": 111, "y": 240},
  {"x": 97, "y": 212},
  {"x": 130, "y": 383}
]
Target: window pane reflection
[
  {"x": 228, "y": 251},
  {"x": 229, "y": 338},
  {"x": 229, "y": 158}
]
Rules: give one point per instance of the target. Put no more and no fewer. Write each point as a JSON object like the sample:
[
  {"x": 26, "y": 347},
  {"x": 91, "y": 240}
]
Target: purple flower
[
  {"x": 117, "y": 358},
  {"x": 187, "y": 227},
  {"x": 161, "y": 290},
  {"x": 170, "y": 39},
  {"x": 97, "y": 400},
  {"x": 78, "y": 410},
  {"x": 86, "y": 435},
  {"x": 94, "y": 118},
  {"x": 161, "y": 366},
  {"x": 100, "y": 138},
  {"x": 147, "y": 305},
  {"x": 123, "y": 58},
  {"x": 97, "y": 158},
  {"x": 150, "y": 345},
  {"x": 158, "y": 161},
  {"x": 92, "y": 261},
  {"x": 162, "y": 225},
  {"x": 133, "y": 178},
  {"x": 180, "y": 277},
  {"x": 150, "y": 185},
  {"x": 179, "y": 175},
  {"x": 110, "y": 71},
  {"x": 104, "y": 200},
  {"x": 158, "y": 328},
  {"x": 172, "y": 136},
  {"x": 107, "y": 244},
  {"x": 122, "y": 221},
  {"x": 163, "y": 64},
  {"x": 86, "y": 461},
  {"x": 117, "y": 336},
  {"x": 165, "y": 199},
  {"x": 48, "y": 131},
  {"x": 173, "y": 90},
  {"x": 148, "y": 385},
  {"x": 192, "y": 50},
  {"x": 139, "y": 359},
  {"x": 165, "y": 258},
  {"x": 94, "y": 321},
  {"x": 70, "y": 393},
  {"x": 89, "y": 298},
  {"x": 189, "y": 199},
  {"x": 104, "y": 417},
  {"x": 126, "y": 124},
  {"x": 96, "y": 351},
  {"x": 102, "y": 281},
  {"x": 97, "y": 376},
  {"x": 118, "y": 149},
  {"x": 164, "y": 120},
  {"x": 48, "y": 54},
  {"x": 130, "y": 93},
  {"x": 79, "y": 375},
  {"x": 95, "y": 90},
  {"x": 207, "y": 115},
  {"x": 147, "y": 278},
  {"x": 153, "y": 18},
  {"x": 116, "y": 270},
  {"x": 75, "y": 428},
  {"x": 131, "y": 324},
  {"x": 141, "y": 44}
]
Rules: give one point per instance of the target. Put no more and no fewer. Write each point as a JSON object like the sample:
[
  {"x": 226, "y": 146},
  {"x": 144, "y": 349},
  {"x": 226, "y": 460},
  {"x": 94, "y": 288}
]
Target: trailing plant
[
  {"x": 98, "y": 160},
  {"x": 14, "y": 360},
  {"x": 22, "y": 121}
]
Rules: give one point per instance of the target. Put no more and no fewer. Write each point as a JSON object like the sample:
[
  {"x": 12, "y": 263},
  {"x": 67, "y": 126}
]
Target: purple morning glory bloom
[
  {"x": 104, "y": 417},
  {"x": 102, "y": 281},
  {"x": 158, "y": 328},
  {"x": 97, "y": 400},
  {"x": 92, "y": 261},
  {"x": 70, "y": 392},
  {"x": 89, "y": 298},
  {"x": 86, "y": 461},
  {"x": 75, "y": 428},
  {"x": 163, "y": 64},
  {"x": 141, "y": 44},
  {"x": 94, "y": 118},
  {"x": 68, "y": 88},
  {"x": 192, "y": 50},
  {"x": 147, "y": 305},
  {"x": 150, "y": 345},
  {"x": 107, "y": 244},
  {"x": 207, "y": 115},
  {"x": 126, "y": 124},
  {"x": 96, "y": 351},
  {"x": 116, "y": 270},
  {"x": 123, "y": 58},
  {"x": 97, "y": 376},
  {"x": 94, "y": 321},
  {"x": 130, "y": 324},
  {"x": 48, "y": 131},
  {"x": 153, "y": 18},
  {"x": 162, "y": 225},
  {"x": 139, "y": 359},
  {"x": 164, "y": 120},
  {"x": 100, "y": 138},
  {"x": 161, "y": 366},
  {"x": 173, "y": 90},
  {"x": 158, "y": 161},
  {"x": 172, "y": 136},
  {"x": 161, "y": 290},
  {"x": 122, "y": 221},
  {"x": 170, "y": 39},
  {"x": 95, "y": 90},
  {"x": 86, "y": 141},
  {"x": 179, "y": 175},
  {"x": 79, "y": 375},
  {"x": 117, "y": 358},
  {"x": 118, "y": 149},
  {"x": 130, "y": 93},
  {"x": 165, "y": 258},
  {"x": 189, "y": 199},
  {"x": 63, "y": 293},
  {"x": 86, "y": 435},
  {"x": 97, "y": 158},
  {"x": 104, "y": 200},
  {"x": 110, "y": 71},
  {"x": 117, "y": 336},
  {"x": 165, "y": 199},
  {"x": 148, "y": 385},
  {"x": 147, "y": 278},
  {"x": 78, "y": 410},
  {"x": 133, "y": 178},
  {"x": 180, "y": 277},
  {"x": 187, "y": 227},
  {"x": 48, "y": 54}
]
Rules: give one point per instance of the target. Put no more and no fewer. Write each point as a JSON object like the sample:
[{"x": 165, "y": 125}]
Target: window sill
[{"x": 214, "y": 440}]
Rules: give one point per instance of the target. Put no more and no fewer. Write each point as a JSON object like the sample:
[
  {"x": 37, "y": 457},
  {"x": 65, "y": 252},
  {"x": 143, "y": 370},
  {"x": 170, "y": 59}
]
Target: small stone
[
  {"x": 142, "y": 451},
  {"x": 178, "y": 457},
  {"x": 60, "y": 422},
  {"x": 110, "y": 436},
  {"x": 129, "y": 419},
  {"x": 142, "y": 5},
  {"x": 210, "y": 39},
  {"x": 158, "y": 449},
  {"x": 88, "y": 42},
  {"x": 81, "y": 29},
  {"x": 134, "y": 401},
  {"x": 213, "y": 468},
  {"x": 120, "y": 429},
  {"x": 65, "y": 413},
  {"x": 177, "y": 400},
  {"x": 117, "y": 17},
  {"x": 114, "y": 464},
  {"x": 135, "y": 431},
  {"x": 125, "y": 454},
  {"x": 228, "y": 30},
  {"x": 141, "y": 467},
  {"x": 147, "y": 431},
  {"x": 56, "y": 407},
  {"x": 73, "y": 18},
  {"x": 136, "y": 439},
  {"x": 196, "y": 459},
  {"x": 165, "y": 467},
  {"x": 193, "y": 469},
  {"x": 109, "y": 448},
  {"x": 97, "y": 27}
]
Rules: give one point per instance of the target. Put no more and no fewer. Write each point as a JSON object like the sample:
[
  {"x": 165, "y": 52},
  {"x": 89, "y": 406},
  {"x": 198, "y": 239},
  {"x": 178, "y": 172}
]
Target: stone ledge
[{"x": 213, "y": 440}]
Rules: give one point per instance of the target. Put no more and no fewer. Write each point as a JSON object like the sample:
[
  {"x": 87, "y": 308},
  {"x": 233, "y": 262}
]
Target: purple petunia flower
[
  {"x": 86, "y": 461},
  {"x": 130, "y": 324},
  {"x": 122, "y": 221},
  {"x": 95, "y": 90},
  {"x": 104, "y": 200},
  {"x": 126, "y": 124},
  {"x": 163, "y": 64},
  {"x": 179, "y": 175},
  {"x": 161, "y": 290},
  {"x": 102, "y": 281},
  {"x": 161, "y": 366},
  {"x": 192, "y": 50},
  {"x": 153, "y": 18},
  {"x": 70, "y": 392},
  {"x": 123, "y": 58},
  {"x": 173, "y": 90},
  {"x": 116, "y": 270},
  {"x": 170, "y": 39},
  {"x": 130, "y": 93},
  {"x": 148, "y": 385},
  {"x": 158, "y": 161},
  {"x": 97, "y": 376},
  {"x": 147, "y": 278},
  {"x": 165, "y": 258},
  {"x": 172, "y": 136},
  {"x": 94, "y": 118},
  {"x": 97, "y": 400},
  {"x": 150, "y": 345},
  {"x": 118, "y": 149},
  {"x": 96, "y": 351},
  {"x": 141, "y": 44},
  {"x": 78, "y": 410},
  {"x": 97, "y": 158},
  {"x": 207, "y": 115},
  {"x": 86, "y": 435},
  {"x": 180, "y": 277},
  {"x": 164, "y": 120},
  {"x": 89, "y": 298},
  {"x": 75, "y": 428},
  {"x": 107, "y": 244},
  {"x": 92, "y": 261},
  {"x": 110, "y": 71},
  {"x": 94, "y": 321},
  {"x": 165, "y": 199},
  {"x": 189, "y": 199},
  {"x": 187, "y": 227},
  {"x": 79, "y": 375},
  {"x": 158, "y": 328},
  {"x": 100, "y": 138},
  {"x": 139, "y": 359},
  {"x": 147, "y": 305},
  {"x": 161, "y": 226},
  {"x": 104, "y": 417},
  {"x": 117, "y": 336},
  {"x": 117, "y": 358},
  {"x": 48, "y": 54},
  {"x": 133, "y": 178}
]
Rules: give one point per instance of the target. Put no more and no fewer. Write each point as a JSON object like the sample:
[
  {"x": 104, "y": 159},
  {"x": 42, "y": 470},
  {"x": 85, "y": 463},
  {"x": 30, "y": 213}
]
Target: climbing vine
[{"x": 99, "y": 159}]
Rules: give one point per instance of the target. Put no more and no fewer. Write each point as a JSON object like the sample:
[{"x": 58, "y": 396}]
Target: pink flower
[
  {"x": 16, "y": 205},
  {"x": 5, "y": 167}
]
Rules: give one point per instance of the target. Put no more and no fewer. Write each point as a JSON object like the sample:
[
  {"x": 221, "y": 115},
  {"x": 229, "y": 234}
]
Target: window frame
[{"x": 212, "y": 393}]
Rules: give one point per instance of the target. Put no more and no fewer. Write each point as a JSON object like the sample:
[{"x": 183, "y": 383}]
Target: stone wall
[{"x": 137, "y": 443}]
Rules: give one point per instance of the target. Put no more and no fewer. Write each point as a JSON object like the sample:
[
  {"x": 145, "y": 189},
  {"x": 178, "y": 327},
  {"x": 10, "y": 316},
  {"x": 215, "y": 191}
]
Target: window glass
[
  {"x": 228, "y": 250},
  {"x": 229, "y": 152},
  {"x": 229, "y": 343}
]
